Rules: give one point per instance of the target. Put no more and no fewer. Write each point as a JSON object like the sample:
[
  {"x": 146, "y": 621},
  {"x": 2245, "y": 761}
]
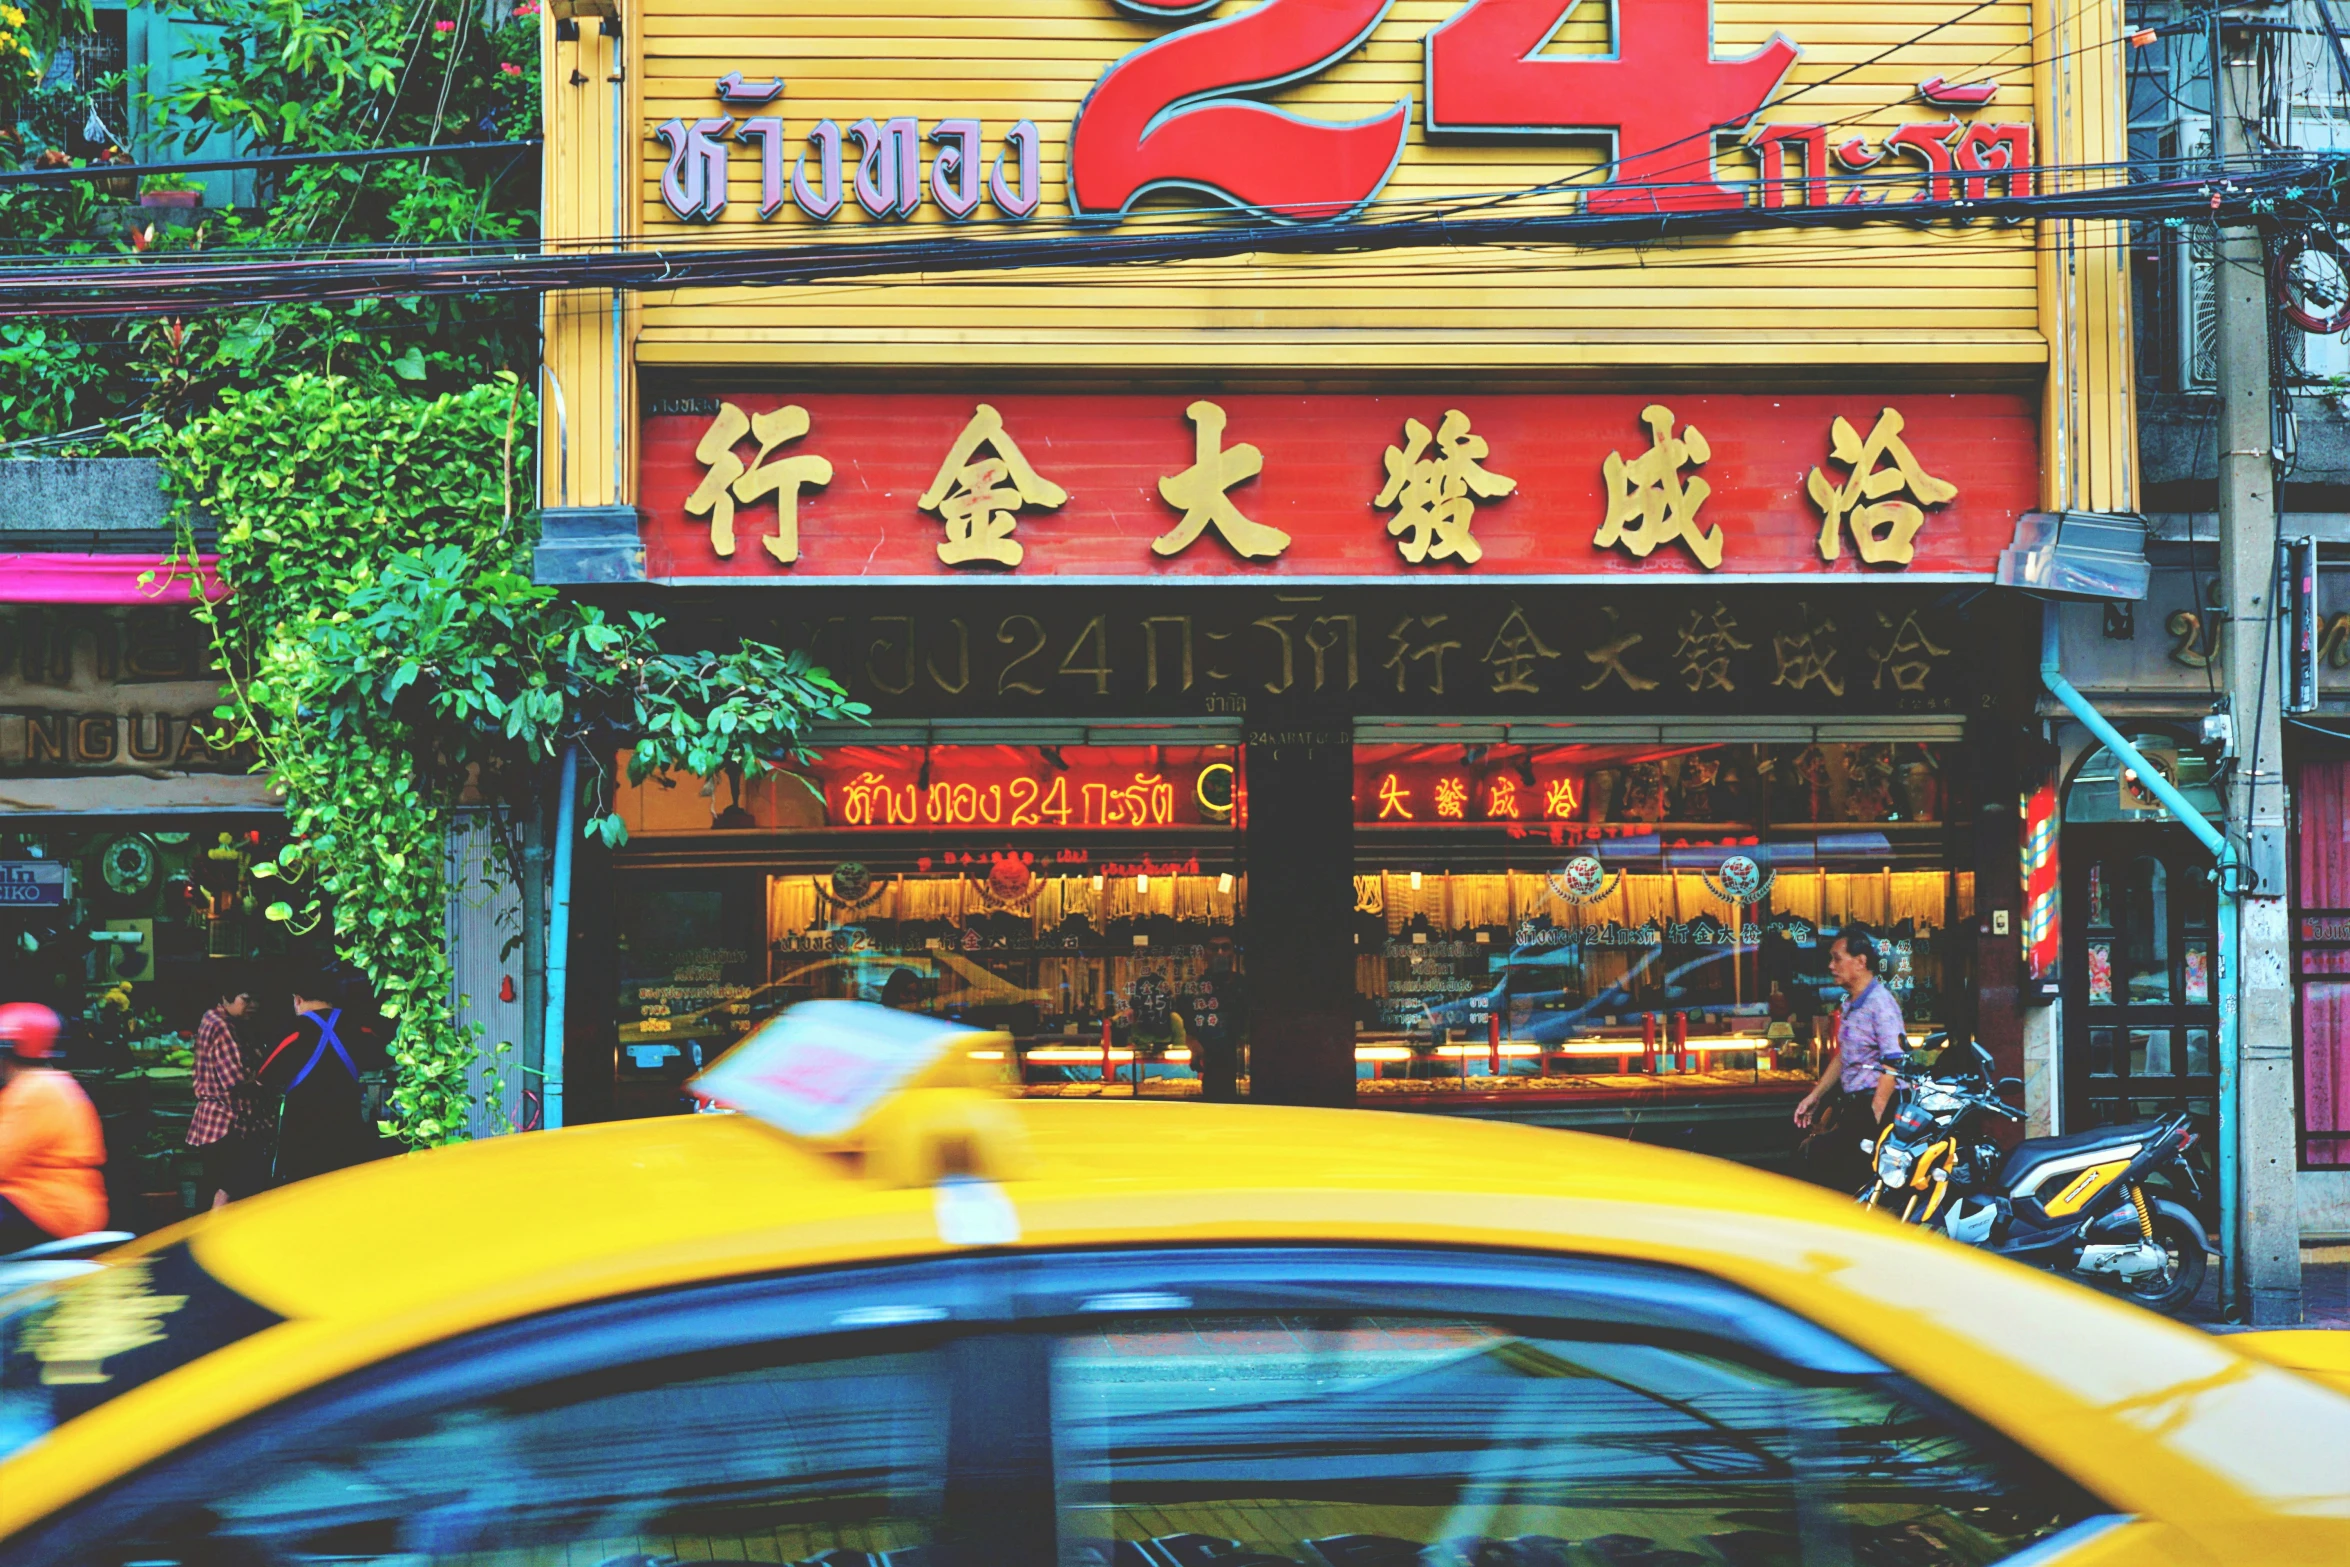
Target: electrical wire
[
  {"x": 2310, "y": 191},
  {"x": 122, "y": 171}
]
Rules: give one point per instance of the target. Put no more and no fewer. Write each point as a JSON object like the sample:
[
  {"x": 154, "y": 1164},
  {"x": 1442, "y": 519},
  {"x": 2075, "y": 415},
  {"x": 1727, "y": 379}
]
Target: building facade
[
  {"x": 1520, "y": 658},
  {"x": 2158, "y": 663}
]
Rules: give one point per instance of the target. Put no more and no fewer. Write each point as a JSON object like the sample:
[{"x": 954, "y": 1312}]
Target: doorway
[{"x": 2141, "y": 967}]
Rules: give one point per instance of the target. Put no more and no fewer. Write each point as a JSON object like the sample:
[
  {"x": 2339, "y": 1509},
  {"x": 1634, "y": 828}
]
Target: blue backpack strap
[{"x": 326, "y": 1037}]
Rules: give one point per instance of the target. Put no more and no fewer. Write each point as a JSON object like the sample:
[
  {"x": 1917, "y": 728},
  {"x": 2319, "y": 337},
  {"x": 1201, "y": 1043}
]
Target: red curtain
[{"x": 2324, "y": 790}]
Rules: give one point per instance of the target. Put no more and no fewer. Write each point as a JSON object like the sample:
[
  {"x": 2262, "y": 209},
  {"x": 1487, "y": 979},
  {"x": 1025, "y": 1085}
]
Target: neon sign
[
  {"x": 1421, "y": 796},
  {"x": 1122, "y": 788}
]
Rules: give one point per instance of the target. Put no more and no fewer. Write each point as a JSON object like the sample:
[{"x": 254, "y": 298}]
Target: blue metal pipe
[
  {"x": 2223, "y": 852},
  {"x": 559, "y": 943}
]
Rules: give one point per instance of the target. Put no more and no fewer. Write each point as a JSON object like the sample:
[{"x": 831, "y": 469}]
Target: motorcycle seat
[{"x": 2038, "y": 1150}]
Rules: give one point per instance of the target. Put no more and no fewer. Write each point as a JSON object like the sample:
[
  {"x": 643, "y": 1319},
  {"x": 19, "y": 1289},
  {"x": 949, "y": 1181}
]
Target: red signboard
[{"x": 938, "y": 487}]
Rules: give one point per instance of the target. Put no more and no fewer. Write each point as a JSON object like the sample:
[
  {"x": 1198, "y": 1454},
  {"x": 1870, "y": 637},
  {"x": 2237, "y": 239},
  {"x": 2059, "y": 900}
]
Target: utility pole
[{"x": 2265, "y": 1246}]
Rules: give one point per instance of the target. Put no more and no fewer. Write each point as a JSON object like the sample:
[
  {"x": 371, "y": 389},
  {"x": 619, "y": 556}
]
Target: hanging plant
[{"x": 386, "y": 652}]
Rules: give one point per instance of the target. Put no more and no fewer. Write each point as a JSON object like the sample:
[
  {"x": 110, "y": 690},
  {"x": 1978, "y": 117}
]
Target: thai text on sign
[{"x": 1682, "y": 117}]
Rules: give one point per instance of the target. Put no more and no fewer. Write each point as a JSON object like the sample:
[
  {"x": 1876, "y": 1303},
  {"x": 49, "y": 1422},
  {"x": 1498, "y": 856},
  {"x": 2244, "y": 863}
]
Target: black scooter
[{"x": 2082, "y": 1204}]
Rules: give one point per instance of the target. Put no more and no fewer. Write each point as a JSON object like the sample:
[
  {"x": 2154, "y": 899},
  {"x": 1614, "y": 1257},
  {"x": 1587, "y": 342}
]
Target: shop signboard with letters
[
  {"x": 86, "y": 690},
  {"x": 1480, "y": 653},
  {"x": 1674, "y": 94},
  {"x": 942, "y": 487}
]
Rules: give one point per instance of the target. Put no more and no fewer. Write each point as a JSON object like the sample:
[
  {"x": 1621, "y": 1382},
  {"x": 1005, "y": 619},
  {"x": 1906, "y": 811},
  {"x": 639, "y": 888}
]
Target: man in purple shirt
[{"x": 1868, "y": 1037}]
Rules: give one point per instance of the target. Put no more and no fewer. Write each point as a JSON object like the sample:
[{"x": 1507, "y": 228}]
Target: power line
[
  {"x": 2311, "y": 191},
  {"x": 124, "y": 171}
]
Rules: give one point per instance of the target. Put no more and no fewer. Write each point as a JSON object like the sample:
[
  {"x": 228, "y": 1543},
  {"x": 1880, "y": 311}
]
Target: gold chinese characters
[
  {"x": 972, "y": 500},
  {"x": 726, "y": 479},
  {"x": 1649, "y": 503},
  {"x": 1882, "y": 529},
  {"x": 1435, "y": 493},
  {"x": 1200, "y": 492},
  {"x": 1874, "y": 487}
]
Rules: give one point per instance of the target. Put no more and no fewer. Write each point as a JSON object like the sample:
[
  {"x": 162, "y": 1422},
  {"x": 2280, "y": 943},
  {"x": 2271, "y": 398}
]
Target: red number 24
[
  {"x": 1160, "y": 118},
  {"x": 1166, "y": 116}
]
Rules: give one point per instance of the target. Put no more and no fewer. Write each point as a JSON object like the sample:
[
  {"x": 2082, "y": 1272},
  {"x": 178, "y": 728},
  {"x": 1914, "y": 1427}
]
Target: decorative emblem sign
[
  {"x": 1010, "y": 884},
  {"x": 853, "y": 886},
  {"x": 1584, "y": 880},
  {"x": 1739, "y": 880}
]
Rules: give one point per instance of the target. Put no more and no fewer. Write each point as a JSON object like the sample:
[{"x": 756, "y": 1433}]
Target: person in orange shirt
[{"x": 52, "y": 1154}]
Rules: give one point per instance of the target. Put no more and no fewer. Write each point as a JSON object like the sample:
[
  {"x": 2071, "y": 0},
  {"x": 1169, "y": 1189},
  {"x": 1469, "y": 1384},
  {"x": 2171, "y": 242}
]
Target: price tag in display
[{"x": 821, "y": 1069}]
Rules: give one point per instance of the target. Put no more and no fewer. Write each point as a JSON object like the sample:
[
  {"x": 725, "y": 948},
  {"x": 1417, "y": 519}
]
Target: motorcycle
[{"x": 2086, "y": 1204}]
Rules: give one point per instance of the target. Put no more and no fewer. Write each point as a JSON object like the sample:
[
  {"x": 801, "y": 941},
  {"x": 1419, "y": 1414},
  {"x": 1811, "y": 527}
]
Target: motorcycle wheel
[{"x": 2170, "y": 1290}]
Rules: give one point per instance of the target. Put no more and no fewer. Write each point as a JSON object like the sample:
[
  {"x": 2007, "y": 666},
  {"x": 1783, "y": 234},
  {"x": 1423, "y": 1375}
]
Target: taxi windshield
[{"x": 67, "y": 1350}]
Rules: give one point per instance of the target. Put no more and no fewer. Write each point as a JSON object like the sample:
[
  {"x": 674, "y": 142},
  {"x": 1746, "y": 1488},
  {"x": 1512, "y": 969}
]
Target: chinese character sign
[
  {"x": 1434, "y": 491},
  {"x": 1513, "y": 788},
  {"x": 1883, "y": 526},
  {"x": 1449, "y": 650},
  {"x": 1201, "y": 492},
  {"x": 980, "y": 501},
  {"x": 1648, "y": 501},
  {"x": 1517, "y": 487},
  {"x": 727, "y": 480}
]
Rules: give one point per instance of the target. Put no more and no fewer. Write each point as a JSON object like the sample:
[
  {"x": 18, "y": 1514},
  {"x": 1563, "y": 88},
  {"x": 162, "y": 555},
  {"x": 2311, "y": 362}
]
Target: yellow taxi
[{"x": 883, "y": 1319}]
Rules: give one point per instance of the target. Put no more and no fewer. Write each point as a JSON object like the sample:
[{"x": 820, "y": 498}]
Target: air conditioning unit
[{"x": 2194, "y": 258}]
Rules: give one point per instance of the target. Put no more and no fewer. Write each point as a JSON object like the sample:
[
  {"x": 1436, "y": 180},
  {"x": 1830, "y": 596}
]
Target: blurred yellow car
[{"x": 1123, "y": 1335}]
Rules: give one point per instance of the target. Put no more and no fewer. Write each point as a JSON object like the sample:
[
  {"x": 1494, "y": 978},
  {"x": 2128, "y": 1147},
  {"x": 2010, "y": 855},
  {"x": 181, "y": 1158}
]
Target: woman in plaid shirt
[{"x": 231, "y": 1123}]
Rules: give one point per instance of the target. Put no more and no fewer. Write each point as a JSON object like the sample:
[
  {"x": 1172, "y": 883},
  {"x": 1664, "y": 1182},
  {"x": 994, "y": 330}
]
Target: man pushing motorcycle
[{"x": 1854, "y": 1084}]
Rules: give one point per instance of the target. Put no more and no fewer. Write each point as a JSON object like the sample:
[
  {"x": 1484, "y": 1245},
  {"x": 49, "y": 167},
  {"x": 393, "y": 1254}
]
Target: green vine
[{"x": 387, "y": 655}]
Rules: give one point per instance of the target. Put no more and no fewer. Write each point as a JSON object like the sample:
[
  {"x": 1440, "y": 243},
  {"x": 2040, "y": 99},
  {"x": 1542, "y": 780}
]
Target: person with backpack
[{"x": 316, "y": 1070}]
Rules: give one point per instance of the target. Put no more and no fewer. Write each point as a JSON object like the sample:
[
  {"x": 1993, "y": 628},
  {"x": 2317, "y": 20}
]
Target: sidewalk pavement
[{"x": 2325, "y": 1291}]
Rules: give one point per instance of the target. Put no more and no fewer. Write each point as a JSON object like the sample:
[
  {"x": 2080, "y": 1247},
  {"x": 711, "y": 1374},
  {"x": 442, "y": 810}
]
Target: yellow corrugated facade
[{"x": 1889, "y": 304}]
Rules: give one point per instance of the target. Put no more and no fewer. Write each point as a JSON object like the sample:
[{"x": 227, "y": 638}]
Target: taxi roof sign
[{"x": 822, "y": 1069}]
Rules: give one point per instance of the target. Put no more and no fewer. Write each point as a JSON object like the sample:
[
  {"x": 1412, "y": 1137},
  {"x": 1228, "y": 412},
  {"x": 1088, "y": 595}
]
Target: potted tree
[{"x": 170, "y": 190}]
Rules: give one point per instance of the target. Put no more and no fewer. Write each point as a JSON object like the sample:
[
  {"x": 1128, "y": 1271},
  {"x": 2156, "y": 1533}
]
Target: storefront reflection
[{"x": 1576, "y": 920}]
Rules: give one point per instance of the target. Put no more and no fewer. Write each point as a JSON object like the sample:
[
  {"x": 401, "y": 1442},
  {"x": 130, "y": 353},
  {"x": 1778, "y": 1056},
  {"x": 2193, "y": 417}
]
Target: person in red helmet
[{"x": 52, "y": 1154}]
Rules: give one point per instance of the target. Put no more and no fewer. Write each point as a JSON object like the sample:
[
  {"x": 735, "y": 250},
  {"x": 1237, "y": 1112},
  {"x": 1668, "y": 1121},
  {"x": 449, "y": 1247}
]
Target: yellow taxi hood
[
  {"x": 564, "y": 1214},
  {"x": 2323, "y": 1353},
  {"x": 2159, "y": 1420}
]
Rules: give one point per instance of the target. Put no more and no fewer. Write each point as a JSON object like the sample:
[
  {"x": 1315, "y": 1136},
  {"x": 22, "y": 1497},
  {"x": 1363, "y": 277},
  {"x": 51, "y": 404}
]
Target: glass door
[{"x": 2141, "y": 1013}]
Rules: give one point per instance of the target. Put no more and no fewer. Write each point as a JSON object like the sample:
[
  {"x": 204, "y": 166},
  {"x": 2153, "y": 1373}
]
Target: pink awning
[{"x": 101, "y": 579}]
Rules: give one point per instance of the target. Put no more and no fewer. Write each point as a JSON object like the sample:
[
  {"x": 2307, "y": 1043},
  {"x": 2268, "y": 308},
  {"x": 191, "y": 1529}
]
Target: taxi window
[
  {"x": 731, "y": 1457},
  {"x": 1375, "y": 1440},
  {"x": 97, "y": 1337}
]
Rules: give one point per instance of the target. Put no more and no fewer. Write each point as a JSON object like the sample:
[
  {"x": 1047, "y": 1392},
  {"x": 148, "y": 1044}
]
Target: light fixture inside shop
[
  {"x": 1415, "y": 881},
  {"x": 1097, "y": 883},
  {"x": 1224, "y": 882},
  {"x": 1142, "y": 881}
]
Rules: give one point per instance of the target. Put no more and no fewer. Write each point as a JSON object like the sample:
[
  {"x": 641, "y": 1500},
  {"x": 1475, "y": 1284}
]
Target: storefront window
[
  {"x": 1527, "y": 915},
  {"x": 127, "y": 929},
  {"x": 1084, "y": 899}
]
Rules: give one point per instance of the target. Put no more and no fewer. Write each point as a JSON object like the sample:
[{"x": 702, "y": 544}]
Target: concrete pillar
[{"x": 2268, "y": 1227}]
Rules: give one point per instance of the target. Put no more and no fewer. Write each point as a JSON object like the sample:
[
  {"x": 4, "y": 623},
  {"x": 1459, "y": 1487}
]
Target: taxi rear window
[{"x": 101, "y": 1335}]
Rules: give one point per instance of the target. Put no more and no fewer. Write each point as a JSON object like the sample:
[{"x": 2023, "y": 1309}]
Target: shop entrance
[{"x": 2141, "y": 956}]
